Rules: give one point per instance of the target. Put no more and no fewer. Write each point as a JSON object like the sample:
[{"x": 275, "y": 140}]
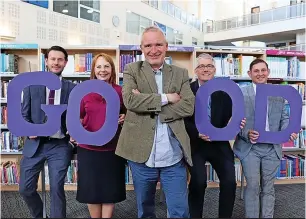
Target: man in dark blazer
[
  {"x": 54, "y": 149},
  {"x": 218, "y": 153}
]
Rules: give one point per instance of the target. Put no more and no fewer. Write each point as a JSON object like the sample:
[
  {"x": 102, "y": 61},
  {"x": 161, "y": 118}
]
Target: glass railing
[
  {"x": 276, "y": 14},
  {"x": 299, "y": 47}
]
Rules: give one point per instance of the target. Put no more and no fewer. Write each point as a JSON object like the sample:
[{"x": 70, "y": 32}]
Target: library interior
[{"x": 234, "y": 33}]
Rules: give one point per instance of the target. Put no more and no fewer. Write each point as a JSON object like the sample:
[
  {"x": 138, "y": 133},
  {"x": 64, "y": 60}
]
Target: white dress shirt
[
  {"x": 267, "y": 120},
  {"x": 57, "y": 101}
]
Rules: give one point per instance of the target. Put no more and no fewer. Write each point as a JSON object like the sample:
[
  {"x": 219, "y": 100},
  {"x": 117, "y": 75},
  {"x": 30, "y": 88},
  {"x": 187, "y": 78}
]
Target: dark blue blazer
[{"x": 33, "y": 97}]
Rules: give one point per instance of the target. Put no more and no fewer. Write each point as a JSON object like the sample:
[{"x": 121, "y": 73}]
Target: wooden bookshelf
[
  {"x": 130, "y": 187},
  {"x": 182, "y": 56},
  {"x": 27, "y": 61},
  {"x": 84, "y": 75},
  {"x": 31, "y": 59}
]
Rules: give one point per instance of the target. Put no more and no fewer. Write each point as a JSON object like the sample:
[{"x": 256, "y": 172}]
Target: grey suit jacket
[
  {"x": 33, "y": 97},
  {"x": 277, "y": 117},
  {"x": 137, "y": 135}
]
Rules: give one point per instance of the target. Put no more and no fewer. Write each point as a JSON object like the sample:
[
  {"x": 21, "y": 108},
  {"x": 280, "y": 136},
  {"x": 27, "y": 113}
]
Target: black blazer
[{"x": 221, "y": 112}]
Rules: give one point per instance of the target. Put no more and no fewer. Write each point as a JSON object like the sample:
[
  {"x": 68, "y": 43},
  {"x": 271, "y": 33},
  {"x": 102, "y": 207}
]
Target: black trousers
[{"x": 221, "y": 157}]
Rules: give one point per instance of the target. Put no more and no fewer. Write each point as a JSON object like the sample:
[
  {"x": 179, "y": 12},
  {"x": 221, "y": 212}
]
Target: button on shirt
[
  {"x": 267, "y": 120},
  {"x": 166, "y": 150}
]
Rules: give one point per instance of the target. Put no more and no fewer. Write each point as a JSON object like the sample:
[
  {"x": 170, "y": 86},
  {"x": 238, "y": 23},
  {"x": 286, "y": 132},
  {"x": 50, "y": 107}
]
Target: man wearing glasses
[{"x": 218, "y": 153}]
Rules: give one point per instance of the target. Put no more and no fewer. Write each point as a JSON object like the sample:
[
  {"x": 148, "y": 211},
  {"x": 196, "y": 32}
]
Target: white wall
[
  {"x": 33, "y": 24},
  {"x": 227, "y": 9},
  {"x": 208, "y": 9},
  {"x": 148, "y": 12}
]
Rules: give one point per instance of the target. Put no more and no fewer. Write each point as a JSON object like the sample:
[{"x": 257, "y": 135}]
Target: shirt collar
[{"x": 160, "y": 69}]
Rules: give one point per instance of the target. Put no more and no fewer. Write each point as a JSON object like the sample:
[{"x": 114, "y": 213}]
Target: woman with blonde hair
[{"x": 101, "y": 173}]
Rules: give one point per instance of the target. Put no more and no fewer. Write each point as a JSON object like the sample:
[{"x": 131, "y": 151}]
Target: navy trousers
[{"x": 58, "y": 155}]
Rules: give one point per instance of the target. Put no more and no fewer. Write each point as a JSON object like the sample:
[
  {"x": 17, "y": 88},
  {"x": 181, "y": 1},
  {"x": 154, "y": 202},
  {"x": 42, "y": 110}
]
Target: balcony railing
[
  {"x": 276, "y": 14},
  {"x": 299, "y": 47}
]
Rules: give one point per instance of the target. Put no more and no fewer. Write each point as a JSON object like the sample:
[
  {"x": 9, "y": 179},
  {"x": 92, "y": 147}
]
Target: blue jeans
[{"x": 173, "y": 181}]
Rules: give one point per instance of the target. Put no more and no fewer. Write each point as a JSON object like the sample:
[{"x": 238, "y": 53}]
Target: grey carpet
[{"x": 290, "y": 203}]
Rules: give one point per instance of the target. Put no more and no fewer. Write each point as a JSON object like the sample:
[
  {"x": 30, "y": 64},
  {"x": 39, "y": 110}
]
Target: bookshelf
[
  {"x": 15, "y": 59},
  {"x": 80, "y": 60},
  {"x": 181, "y": 56},
  {"x": 31, "y": 58}
]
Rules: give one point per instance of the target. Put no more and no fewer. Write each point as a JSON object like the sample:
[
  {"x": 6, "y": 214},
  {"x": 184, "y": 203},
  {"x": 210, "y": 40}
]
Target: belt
[{"x": 48, "y": 138}]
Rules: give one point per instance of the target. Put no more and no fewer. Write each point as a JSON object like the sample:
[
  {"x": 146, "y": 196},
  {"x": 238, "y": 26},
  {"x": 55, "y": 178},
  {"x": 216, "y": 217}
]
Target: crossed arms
[{"x": 177, "y": 106}]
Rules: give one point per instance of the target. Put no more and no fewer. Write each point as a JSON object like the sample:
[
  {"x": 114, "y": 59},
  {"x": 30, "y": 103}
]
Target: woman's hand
[{"x": 121, "y": 118}]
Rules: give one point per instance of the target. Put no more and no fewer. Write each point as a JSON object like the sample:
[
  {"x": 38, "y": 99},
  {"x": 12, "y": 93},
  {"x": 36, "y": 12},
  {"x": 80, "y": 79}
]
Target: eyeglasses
[{"x": 209, "y": 67}]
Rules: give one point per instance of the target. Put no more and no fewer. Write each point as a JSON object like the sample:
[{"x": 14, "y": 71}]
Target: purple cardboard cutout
[
  {"x": 203, "y": 124},
  {"x": 110, "y": 126},
  {"x": 15, "y": 121},
  {"x": 263, "y": 91}
]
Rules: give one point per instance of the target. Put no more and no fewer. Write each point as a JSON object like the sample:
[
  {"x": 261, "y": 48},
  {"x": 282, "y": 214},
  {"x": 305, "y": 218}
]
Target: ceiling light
[{"x": 65, "y": 10}]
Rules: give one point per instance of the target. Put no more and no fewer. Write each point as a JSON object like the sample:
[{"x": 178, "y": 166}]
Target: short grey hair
[
  {"x": 205, "y": 56},
  {"x": 153, "y": 29}
]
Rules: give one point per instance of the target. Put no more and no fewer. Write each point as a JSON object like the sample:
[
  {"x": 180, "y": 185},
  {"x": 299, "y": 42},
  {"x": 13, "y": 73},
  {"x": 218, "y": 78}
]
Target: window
[
  {"x": 85, "y": 9},
  {"x": 154, "y": 3},
  {"x": 132, "y": 23},
  {"x": 184, "y": 17},
  {"x": 90, "y": 10},
  {"x": 170, "y": 35},
  {"x": 135, "y": 23},
  {"x": 178, "y": 38},
  {"x": 178, "y": 41},
  {"x": 144, "y": 23},
  {"x": 190, "y": 19},
  {"x": 177, "y": 13},
  {"x": 197, "y": 24},
  {"x": 40, "y": 3},
  {"x": 171, "y": 9},
  {"x": 94, "y": 4},
  {"x": 89, "y": 14},
  {"x": 194, "y": 41},
  {"x": 70, "y": 8},
  {"x": 164, "y": 6}
]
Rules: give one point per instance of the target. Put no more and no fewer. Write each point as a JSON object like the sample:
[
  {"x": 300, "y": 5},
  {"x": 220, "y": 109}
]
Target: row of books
[
  {"x": 9, "y": 63},
  {"x": 71, "y": 176},
  {"x": 129, "y": 58},
  {"x": 292, "y": 166},
  {"x": 300, "y": 87},
  {"x": 3, "y": 114},
  {"x": 134, "y": 57},
  {"x": 10, "y": 142},
  {"x": 227, "y": 65},
  {"x": 281, "y": 67},
  {"x": 9, "y": 172},
  {"x": 3, "y": 90},
  {"x": 300, "y": 142}
]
